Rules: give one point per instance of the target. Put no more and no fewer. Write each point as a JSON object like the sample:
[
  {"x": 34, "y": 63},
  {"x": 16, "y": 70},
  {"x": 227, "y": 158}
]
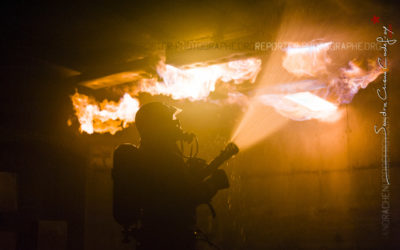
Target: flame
[
  {"x": 196, "y": 83},
  {"x": 312, "y": 102},
  {"x": 107, "y": 116},
  {"x": 299, "y": 101},
  {"x": 318, "y": 97},
  {"x": 307, "y": 60},
  {"x": 193, "y": 83},
  {"x": 302, "y": 106},
  {"x": 114, "y": 79},
  {"x": 351, "y": 80}
]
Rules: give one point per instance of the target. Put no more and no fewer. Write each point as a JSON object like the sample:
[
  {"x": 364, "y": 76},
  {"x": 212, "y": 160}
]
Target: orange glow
[
  {"x": 196, "y": 83},
  {"x": 307, "y": 60},
  {"x": 114, "y": 79},
  {"x": 315, "y": 106},
  {"x": 259, "y": 121},
  {"x": 193, "y": 83},
  {"x": 300, "y": 99},
  {"x": 107, "y": 116},
  {"x": 351, "y": 80},
  {"x": 302, "y": 106},
  {"x": 312, "y": 102}
]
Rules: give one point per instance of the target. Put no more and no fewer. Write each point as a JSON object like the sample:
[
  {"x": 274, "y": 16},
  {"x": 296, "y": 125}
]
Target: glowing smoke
[
  {"x": 300, "y": 84},
  {"x": 193, "y": 83}
]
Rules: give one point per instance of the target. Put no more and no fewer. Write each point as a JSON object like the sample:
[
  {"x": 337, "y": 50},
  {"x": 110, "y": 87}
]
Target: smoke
[
  {"x": 305, "y": 80},
  {"x": 304, "y": 77},
  {"x": 192, "y": 83}
]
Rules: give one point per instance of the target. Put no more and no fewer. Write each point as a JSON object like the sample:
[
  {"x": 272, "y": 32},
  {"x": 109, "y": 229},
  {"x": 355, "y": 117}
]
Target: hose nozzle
[{"x": 230, "y": 150}]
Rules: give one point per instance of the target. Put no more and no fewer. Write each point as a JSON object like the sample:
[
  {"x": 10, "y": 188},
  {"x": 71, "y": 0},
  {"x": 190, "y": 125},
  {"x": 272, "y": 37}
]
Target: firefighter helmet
[{"x": 155, "y": 116}]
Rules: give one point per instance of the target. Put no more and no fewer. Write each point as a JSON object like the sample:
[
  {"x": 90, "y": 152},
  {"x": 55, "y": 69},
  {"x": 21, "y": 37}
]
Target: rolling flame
[
  {"x": 301, "y": 106},
  {"x": 307, "y": 60},
  {"x": 107, "y": 116},
  {"x": 351, "y": 80},
  {"x": 193, "y": 83},
  {"x": 196, "y": 83},
  {"x": 318, "y": 96}
]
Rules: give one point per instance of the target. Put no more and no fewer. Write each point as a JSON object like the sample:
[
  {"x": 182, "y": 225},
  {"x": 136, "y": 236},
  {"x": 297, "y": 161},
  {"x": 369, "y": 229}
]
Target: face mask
[{"x": 180, "y": 134}]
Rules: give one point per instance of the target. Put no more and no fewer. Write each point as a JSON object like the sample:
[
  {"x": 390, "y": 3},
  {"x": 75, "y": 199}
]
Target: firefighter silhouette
[{"x": 156, "y": 191}]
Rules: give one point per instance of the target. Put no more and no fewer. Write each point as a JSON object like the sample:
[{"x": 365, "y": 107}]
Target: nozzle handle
[{"x": 230, "y": 150}]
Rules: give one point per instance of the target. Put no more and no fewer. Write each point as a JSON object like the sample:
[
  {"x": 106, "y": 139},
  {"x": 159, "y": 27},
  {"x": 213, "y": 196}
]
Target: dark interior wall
[
  {"x": 38, "y": 147},
  {"x": 50, "y": 188}
]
